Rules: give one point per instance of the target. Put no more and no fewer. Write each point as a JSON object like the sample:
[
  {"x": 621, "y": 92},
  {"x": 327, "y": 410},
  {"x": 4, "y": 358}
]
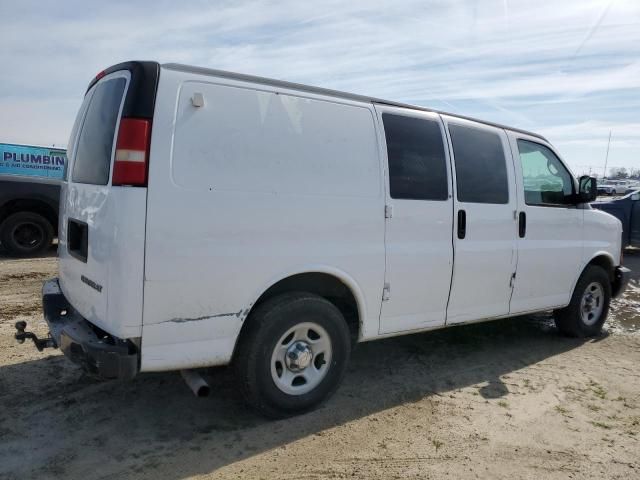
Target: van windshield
[{"x": 95, "y": 143}]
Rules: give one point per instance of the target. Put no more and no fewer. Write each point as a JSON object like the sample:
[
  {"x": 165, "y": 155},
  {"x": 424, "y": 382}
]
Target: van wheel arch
[
  {"x": 294, "y": 356},
  {"x": 603, "y": 261},
  {"x": 564, "y": 317},
  {"x": 322, "y": 284},
  {"x": 587, "y": 311}
]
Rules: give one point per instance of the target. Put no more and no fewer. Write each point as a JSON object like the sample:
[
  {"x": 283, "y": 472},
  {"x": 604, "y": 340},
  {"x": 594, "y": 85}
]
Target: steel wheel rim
[
  {"x": 301, "y": 358},
  {"x": 592, "y": 303}
]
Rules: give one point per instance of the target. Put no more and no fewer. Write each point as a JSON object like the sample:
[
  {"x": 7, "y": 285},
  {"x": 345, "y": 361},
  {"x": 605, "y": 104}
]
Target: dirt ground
[{"x": 507, "y": 399}]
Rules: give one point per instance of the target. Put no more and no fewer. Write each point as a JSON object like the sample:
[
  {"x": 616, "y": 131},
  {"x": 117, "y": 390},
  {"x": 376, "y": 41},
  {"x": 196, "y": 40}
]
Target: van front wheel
[
  {"x": 589, "y": 306},
  {"x": 293, "y": 355}
]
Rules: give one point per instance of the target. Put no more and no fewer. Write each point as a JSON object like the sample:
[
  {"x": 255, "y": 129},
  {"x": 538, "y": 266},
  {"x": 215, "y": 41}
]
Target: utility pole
[{"x": 606, "y": 158}]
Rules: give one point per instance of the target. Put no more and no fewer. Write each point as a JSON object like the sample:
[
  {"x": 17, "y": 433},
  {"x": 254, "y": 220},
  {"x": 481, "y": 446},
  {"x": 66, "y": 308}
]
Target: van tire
[
  {"x": 25, "y": 234},
  {"x": 571, "y": 320},
  {"x": 254, "y": 358}
]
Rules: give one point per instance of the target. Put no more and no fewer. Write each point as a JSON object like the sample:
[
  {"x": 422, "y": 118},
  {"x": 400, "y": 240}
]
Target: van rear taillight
[{"x": 132, "y": 152}]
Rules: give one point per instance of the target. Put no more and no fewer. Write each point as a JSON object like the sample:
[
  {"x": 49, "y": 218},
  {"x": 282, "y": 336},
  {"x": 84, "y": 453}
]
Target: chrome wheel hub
[
  {"x": 301, "y": 358},
  {"x": 298, "y": 356}
]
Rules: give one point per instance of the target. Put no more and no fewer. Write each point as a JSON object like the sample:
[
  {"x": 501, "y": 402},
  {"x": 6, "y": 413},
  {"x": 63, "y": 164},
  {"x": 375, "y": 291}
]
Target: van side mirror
[{"x": 588, "y": 189}]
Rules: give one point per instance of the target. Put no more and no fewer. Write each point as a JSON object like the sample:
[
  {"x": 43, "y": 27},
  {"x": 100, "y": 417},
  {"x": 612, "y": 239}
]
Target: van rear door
[{"x": 103, "y": 203}]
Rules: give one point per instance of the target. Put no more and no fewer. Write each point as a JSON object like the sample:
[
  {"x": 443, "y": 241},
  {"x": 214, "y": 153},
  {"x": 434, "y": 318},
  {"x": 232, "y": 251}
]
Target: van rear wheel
[
  {"x": 293, "y": 355},
  {"x": 25, "y": 234},
  {"x": 586, "y": 313}
]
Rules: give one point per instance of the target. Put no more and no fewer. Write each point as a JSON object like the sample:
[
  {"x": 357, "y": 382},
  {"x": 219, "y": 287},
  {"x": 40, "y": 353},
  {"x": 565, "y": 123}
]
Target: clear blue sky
[{"x": 568, "y": 69}]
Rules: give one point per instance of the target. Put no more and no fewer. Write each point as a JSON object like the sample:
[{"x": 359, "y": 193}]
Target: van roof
[{"x": 328, "y": 92}]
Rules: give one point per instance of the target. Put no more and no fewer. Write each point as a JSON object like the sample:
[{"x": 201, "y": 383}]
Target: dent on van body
[
  {"x": 238, "y": 314},
  {"x": 115, "y": 257}
]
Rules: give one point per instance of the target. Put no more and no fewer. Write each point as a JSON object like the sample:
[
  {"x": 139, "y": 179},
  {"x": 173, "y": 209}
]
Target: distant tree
[
  {"x": 634, "y": 173},
  {"x": 618, "y": 172}
]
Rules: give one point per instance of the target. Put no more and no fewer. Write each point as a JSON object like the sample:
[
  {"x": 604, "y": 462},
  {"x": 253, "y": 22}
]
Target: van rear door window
[
  {"x": 481, "y": 169},
  {"x": 93, "y": 152},
  {"x": 417, "y": 163}
]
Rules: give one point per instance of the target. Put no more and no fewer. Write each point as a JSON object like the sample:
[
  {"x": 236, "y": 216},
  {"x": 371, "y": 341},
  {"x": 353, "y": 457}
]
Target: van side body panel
[
  {"x": 257, "y": 184},
  {"x": 602, "y": 236}
]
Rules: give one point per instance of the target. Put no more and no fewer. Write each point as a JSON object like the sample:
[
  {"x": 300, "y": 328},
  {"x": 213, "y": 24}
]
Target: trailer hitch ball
[
  {"x": 40, "y": 343},
  {"x": 20, "y": 326}
]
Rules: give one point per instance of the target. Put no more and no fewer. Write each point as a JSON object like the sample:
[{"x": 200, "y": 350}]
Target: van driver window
[{"x": 546, "y": 179}]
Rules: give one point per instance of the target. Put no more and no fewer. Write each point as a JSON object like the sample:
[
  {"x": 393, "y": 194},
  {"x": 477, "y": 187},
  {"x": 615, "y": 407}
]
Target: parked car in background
[
  {"x": 612, "y": 187},
  {"x": 30, "y": 178},
  {"x": 213, "y": 218},
  {"x": 627, "y": 210}
]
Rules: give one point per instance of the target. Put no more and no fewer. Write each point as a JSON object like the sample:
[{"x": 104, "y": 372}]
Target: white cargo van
[{"x": 212, "y": 218}]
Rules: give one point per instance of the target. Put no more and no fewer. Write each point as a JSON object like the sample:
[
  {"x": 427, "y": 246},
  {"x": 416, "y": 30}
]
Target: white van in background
[{"x": 213, "y": 218}]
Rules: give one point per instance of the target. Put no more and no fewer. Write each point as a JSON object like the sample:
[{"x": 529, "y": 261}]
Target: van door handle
[
  {"x": 462, "y": 224},
  {"x": 522, "y": 224}
]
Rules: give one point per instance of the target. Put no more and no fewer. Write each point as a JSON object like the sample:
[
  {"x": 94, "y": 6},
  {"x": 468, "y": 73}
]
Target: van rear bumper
[{"x": 97, "y": 352}]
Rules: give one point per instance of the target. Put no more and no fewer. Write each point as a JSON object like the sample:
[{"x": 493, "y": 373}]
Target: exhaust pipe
[{"x": 196, "y": 383}]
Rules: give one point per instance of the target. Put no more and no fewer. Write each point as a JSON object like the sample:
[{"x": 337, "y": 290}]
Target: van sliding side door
[
  {"x": 484, "y": 236},
  {"x": 419, "y": 254}
]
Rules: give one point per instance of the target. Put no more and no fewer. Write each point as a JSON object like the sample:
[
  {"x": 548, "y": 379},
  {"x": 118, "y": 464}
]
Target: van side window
[
  {"x": 546, "y": 179},
  {"x": 481, "y": 170},
  {"x": 417, "y": 162}
]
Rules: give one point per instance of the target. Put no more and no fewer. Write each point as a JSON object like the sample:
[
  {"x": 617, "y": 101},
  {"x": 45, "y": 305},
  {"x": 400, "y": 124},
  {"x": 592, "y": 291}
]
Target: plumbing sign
[{"x": 32, "y": 161}]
